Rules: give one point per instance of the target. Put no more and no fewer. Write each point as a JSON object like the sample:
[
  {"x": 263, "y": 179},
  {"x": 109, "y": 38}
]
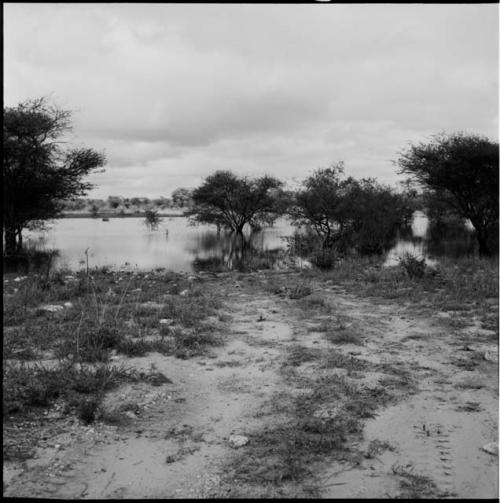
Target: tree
[
  {"x": 38, "y": 175},
  {"x": 152, "y": 220},
  {"x": 462, "y": 171},
  {"x": 349, "y": 214},
  {"x": 114, "y": 202},
  {"x": 182, "y": 197},
  {"x": 227, "y": 200},
  {"x": 375, "y": 214},
  {"x": 322, "y": 204}
]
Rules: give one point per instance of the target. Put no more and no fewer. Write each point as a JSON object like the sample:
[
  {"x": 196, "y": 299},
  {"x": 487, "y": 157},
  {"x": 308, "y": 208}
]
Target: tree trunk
[
  {"x": 19, "y": 234},
  {"x": 10, "y": 240},
  {"x": 484, "y": 249}
]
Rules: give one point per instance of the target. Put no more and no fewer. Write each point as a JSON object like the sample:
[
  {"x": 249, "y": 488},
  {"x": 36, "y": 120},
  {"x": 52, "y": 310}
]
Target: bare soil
[{"x": 424, "y": 439}]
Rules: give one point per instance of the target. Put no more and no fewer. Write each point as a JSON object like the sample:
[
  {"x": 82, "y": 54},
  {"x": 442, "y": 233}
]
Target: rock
[
  {"x": 136, "y": 290},
  {"x": 51, "y": 308},
  {"x": 152, "y": 305},
  {"x": 236, "y": 441},
  {"x": 130, "y": 414},
  {"x": 491, "y": 356},
  {"x": 166, "y": 321},
  {"x": 20, "y": 278},
  {"x": 491, "y": 448},
  {"x": 184, "y": 292},
  {"x": 68, "y": 305}
]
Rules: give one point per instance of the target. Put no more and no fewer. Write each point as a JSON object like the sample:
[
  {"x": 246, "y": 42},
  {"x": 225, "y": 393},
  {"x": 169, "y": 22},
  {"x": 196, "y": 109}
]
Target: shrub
[{"x": 414, "y": 266}]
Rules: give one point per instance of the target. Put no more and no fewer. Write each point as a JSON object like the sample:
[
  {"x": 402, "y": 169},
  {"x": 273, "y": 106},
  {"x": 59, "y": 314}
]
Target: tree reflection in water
[{"x": 225, "y": 250}]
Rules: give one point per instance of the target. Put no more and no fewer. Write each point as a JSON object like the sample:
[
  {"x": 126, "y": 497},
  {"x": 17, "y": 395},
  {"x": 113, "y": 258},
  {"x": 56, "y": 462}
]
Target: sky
[{"x": 173, "y": 92}]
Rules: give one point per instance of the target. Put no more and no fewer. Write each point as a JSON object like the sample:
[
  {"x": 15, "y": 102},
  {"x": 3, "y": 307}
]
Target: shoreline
[{"x": 116, "y": 215}]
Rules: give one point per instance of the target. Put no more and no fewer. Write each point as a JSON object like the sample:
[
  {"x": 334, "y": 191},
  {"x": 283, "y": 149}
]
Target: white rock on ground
[
  {"x": 51, "y": 308},
  {"x": 236, "y": 441}
]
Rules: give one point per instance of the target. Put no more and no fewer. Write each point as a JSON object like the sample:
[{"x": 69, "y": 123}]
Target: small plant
[
  {"x": 300, "y": 291},
  {"x": 152, "y": 220},
  {"x": 414, "y": 266}
]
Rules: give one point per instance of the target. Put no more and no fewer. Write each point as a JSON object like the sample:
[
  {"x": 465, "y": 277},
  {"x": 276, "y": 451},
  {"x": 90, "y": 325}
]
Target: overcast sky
[{"x": 175, "y": 92}]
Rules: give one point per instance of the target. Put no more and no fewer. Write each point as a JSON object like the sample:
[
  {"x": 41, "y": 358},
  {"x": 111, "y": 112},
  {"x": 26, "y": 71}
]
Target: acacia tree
[
  {"x": 38, "y": 175},
  {"x": 181, "y": 197},
  {"x": 322, "y": 204},
  {"x": 152, "y": 220},
  {"x": 346, "y": 213},
  {"x": 462, "y": 172},
  {"x": 227, "y": 200}
]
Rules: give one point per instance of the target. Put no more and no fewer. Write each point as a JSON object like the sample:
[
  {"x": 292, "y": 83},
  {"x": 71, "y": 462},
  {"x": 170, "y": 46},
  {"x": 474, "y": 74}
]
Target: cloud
[{"x": 172, "y": 91}]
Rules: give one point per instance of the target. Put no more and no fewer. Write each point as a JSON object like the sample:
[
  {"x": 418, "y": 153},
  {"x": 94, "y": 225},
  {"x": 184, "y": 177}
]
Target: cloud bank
[{"x": 174, "y": 92}]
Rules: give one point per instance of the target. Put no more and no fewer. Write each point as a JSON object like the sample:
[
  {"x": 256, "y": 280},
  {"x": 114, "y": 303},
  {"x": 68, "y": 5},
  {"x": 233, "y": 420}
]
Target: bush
[{"x": 414, "y": 267}]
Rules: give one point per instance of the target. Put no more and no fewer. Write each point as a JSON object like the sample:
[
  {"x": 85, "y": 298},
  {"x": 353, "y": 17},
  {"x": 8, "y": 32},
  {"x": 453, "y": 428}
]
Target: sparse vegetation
[{"x": 109, "y": 313}]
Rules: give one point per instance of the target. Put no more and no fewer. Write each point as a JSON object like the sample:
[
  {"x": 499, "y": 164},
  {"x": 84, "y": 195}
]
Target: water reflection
[
  {"x": 431, "y": 240},
  {"x": 226, "y": 250},
  {"x": 185, "y": 248}
]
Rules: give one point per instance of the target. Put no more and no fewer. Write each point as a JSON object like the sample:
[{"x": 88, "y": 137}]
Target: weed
[
  {"x": 297, "y": 355},
  {"x": 336, "y": 359},
  {"x": 38, "y": 386},
  {"x": 414, "y": 485},
  {"x": 413, "y": 266},
  {"x": 376, "y": 447},
  {"x": 300, "y": 291}
]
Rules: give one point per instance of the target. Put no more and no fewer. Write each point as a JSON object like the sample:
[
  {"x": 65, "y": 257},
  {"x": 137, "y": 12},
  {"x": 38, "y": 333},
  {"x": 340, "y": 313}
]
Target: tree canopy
[
  {"x": 346, "y": 213},
  {"x": 226, "y": 200},
  {"x": 38, "y": 174},
  {"x": 462, "y": 172},
  {"x": 181, "y": 197}
]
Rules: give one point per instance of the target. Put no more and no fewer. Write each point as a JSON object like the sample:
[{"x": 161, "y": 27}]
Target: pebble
[{"x": 236, "y": 441}]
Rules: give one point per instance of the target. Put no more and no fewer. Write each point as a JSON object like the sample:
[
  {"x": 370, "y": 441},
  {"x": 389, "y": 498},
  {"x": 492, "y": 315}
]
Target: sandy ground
[{"x": 176, "y": 442}]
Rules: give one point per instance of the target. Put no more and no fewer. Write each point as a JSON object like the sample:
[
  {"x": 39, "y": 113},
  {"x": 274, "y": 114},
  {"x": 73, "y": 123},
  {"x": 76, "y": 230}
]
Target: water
[{"x": 127, "y": 242}]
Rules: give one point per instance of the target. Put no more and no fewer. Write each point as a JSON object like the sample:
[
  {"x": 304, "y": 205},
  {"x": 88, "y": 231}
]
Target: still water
[{"x": 177, "y": 246}]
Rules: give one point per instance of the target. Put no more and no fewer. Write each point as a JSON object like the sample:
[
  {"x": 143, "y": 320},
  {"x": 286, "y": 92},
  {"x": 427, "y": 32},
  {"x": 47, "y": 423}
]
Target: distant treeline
[{"x": 128, "y": 206}]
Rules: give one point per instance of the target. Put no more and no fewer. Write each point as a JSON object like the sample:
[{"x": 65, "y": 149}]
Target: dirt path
[{"x": 176, "y": 443}]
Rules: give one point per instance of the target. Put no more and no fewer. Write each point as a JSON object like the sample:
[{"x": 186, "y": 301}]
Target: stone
[
  {"x": 51, "y": 308},
  {"x": 68, "y": 305},
  {"x": 491, "y": 448},
  {"x": 184, "y": 292},
  {"x": 236, "y": 441},
  {"x": 166, "y": 321},
  {"x": 152, "y": 305},
  {"x": 491, "y": 356}
]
